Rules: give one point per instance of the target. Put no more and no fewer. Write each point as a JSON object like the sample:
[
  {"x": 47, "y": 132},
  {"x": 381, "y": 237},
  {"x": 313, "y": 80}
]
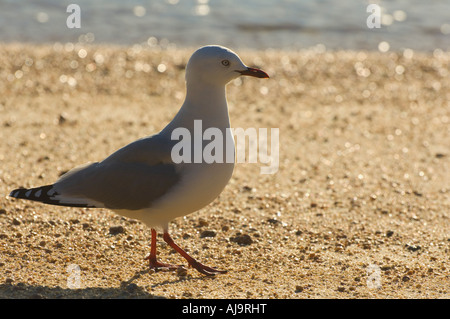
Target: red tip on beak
[{"x": 257, "y": 73}]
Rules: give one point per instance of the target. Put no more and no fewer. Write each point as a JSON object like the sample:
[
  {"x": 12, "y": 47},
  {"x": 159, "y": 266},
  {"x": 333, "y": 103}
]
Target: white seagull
[{"x": 141, "y": 180}]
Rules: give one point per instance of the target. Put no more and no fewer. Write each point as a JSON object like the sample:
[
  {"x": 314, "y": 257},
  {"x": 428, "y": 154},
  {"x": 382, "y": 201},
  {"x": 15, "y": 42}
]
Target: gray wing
[{"x": 131, "y": 178}]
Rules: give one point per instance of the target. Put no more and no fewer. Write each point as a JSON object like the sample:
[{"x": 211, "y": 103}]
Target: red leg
[
  {"x": 192, "y": 262},
  {"x": 154, "y": 263}
]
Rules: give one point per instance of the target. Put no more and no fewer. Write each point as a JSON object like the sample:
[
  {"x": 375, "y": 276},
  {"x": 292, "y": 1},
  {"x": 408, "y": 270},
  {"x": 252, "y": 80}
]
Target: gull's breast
[{"x": 199, "y": 185}]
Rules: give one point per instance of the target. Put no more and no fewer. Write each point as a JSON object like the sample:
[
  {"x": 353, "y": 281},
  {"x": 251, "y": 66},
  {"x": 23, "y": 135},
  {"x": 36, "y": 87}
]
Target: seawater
[{"x": 260, "y": 24}]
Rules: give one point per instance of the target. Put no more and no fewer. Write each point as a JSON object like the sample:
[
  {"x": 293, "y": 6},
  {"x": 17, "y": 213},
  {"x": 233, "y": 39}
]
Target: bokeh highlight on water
[{"x": 260, "y": 24}]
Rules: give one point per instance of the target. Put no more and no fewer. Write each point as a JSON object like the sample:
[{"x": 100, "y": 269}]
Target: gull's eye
[{"x": 225, "y": 63}]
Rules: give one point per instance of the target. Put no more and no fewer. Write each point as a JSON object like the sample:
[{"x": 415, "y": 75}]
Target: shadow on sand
[{"x": 126, "y": 290}]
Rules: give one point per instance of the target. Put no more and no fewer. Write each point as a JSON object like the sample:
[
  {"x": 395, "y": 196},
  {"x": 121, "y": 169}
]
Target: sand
[{"x": 359, "y": 207}]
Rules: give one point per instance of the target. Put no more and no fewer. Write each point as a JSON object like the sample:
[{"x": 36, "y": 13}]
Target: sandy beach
[{"x": 359, "y": 207}]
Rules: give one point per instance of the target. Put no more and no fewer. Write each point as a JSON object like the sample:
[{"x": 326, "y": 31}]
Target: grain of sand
[{"x": 362, "y": 190}]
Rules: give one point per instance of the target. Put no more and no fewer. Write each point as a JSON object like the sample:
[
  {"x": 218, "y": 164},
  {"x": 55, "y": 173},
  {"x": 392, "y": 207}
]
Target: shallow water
[{"x": 260, "y": 24}]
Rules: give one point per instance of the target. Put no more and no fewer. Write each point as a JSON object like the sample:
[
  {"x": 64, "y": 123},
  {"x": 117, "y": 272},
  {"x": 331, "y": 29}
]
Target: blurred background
[{"x": 258, "y": 24}]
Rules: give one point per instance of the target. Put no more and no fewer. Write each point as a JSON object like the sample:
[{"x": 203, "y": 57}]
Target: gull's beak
[{"x": 257, "y": 73}]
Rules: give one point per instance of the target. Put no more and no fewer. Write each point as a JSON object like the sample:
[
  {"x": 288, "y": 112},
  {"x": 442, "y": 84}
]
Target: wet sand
[{"x": 359, "y": 207}]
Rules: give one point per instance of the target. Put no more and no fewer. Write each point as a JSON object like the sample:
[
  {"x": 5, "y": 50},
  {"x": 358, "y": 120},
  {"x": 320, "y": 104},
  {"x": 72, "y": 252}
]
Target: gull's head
[{"x": 218, "y": 65}]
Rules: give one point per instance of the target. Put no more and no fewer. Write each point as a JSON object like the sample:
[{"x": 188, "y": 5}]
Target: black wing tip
[
  {"x": 31, "y": 193},
  {"x": 15, "y": 192},
  {"x": 18, "y": 193},
  {"x": 41, "y": 194}
]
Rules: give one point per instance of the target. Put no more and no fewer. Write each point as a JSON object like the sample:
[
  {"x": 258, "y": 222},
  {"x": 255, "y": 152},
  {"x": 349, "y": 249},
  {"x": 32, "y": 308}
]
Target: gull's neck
[{"x": 204, "y": 101}]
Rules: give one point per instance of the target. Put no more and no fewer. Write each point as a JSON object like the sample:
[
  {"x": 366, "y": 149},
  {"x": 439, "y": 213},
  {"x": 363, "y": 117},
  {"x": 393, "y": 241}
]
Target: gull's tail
[{"x": 48, "y": 195}]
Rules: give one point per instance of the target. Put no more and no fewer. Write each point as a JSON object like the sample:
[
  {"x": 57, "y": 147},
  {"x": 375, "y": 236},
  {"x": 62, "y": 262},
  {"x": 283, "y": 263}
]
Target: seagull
[{"x": 141, "y": 180}]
